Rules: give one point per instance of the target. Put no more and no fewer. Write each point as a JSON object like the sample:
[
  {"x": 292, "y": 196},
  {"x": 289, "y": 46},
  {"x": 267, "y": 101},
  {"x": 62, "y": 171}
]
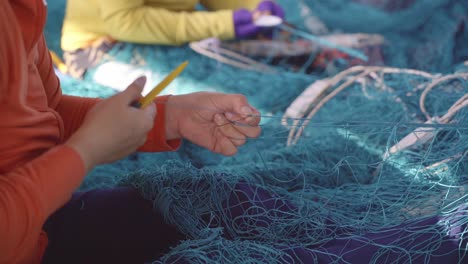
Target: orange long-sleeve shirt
[{"x": 38, "y": 173}]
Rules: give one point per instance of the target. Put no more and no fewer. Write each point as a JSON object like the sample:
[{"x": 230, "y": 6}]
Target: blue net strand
[{"x": 336, "y": 196}]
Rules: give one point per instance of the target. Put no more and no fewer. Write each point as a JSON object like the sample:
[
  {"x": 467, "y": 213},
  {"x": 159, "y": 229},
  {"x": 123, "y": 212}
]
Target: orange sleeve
[
  {"x": 156, "y": 141},
  {"x": 72, "y": 109},
  {"x": 30, "y": 193}
]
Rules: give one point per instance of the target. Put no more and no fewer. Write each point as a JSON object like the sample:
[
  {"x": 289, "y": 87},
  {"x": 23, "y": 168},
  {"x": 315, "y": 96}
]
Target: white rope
[
  {"x": 217, "y": 53},
  {"x": 362, "y": 72}
]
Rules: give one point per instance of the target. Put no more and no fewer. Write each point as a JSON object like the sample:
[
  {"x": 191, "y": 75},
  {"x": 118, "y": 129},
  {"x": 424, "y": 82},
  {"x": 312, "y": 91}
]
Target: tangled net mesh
[{"x": 343, "y": 190}]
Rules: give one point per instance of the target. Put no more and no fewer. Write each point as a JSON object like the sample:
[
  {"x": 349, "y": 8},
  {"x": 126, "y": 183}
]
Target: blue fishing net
[
  {"x": 423, "y": 34},
  {"x": 335, "y": 196}
]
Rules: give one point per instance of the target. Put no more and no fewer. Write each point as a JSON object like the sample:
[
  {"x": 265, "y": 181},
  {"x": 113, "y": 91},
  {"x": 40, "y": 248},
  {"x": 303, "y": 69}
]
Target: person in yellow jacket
[{"x": 91, "y": 27}]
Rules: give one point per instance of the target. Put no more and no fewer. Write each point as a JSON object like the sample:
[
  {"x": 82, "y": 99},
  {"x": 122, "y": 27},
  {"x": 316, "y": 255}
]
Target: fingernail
[
  {"x": 140, "y": 81},
  {"x": 246, "y": 110}
]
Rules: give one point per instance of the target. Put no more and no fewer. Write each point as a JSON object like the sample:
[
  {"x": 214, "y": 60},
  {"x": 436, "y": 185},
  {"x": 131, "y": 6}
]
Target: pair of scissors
[{"x": 149, "y": 98}]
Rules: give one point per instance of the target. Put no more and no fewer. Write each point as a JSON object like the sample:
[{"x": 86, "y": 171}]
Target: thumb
[{"x": 133, "y": 91}]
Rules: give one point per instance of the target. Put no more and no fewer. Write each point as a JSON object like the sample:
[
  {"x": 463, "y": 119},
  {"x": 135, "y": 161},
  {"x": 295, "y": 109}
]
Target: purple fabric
[
  {"x": 406, "y": 243},
  {"x": 119, "y": 226},
  {"x": 108, "y": 226},
  {"x": 250, "y": 205}
]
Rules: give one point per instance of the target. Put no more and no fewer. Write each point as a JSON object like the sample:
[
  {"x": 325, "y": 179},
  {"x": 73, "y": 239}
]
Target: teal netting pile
[
  {"x": 425, "y": 34},
  {"x": 337, "y": 195}
]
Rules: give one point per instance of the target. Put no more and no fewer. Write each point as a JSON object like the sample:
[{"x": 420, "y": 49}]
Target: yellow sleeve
[
  {"x": 133, "y": 21},
  {"x": 229, "y": 4}
]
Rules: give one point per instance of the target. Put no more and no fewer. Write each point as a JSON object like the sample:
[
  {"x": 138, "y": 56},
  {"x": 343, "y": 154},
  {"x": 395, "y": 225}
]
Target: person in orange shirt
[{"x": 50, "y": 141}]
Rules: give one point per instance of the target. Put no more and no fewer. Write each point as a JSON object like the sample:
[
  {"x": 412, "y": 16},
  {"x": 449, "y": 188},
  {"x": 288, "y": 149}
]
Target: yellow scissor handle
[{"x": 149, "y": 98}]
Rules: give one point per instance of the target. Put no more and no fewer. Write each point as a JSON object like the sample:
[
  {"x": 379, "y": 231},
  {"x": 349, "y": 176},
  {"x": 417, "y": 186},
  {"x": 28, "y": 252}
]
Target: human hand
[
  {"x": 216, "y": 121},
  {"x": 268, "y": 7},
  {"x": 113, "y": 129},
  {"x": 244, "y": 24},
  {"x": 244, "y": 19}
]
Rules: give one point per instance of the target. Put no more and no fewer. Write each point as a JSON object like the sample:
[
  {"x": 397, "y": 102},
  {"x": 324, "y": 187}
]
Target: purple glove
[
  {"x": 244, "y": 22},
  {"x": 271, "y": 7}
]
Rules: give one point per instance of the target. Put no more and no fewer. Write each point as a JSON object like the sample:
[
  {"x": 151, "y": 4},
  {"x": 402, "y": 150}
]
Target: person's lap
[
  {"x": 118, "y": 226},
  {"x": 108, "y": 226}
]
